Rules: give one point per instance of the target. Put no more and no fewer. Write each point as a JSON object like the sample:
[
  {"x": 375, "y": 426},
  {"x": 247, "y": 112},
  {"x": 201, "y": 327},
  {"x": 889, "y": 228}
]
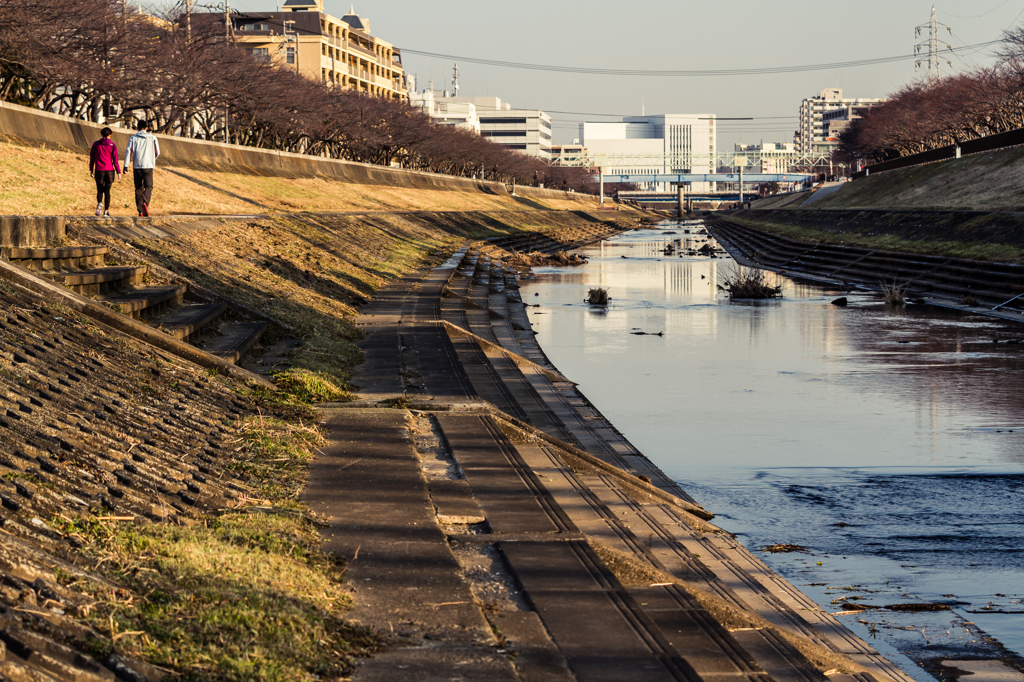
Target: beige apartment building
[{"x": 317, "y": 45}]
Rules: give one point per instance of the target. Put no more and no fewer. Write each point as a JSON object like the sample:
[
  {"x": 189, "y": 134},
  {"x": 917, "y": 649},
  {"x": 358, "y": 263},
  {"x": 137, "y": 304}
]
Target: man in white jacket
[{"x": 143, "y": 150}]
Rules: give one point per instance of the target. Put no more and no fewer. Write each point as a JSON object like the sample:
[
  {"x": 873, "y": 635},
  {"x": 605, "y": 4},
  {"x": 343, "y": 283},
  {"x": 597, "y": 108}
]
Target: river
[{"x": 887, "y": 441}]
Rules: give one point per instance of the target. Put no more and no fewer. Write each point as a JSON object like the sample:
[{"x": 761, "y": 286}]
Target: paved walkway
[{"x": 499, "y": 528}]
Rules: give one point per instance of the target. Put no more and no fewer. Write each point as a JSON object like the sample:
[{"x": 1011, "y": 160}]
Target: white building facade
[
  {"x": 442, "y": 112},
  {"x": 767, "y": 157},
  {"x": 812, "y": 137},
  {"x": 667, "y": 143},
  {"x": 523, "y": 130}
]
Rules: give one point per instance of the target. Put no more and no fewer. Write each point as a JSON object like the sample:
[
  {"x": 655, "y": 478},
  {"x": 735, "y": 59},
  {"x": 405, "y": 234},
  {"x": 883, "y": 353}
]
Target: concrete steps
[
  {"x": 165, "y": 306},
  {"x": 235, "y": 340}
]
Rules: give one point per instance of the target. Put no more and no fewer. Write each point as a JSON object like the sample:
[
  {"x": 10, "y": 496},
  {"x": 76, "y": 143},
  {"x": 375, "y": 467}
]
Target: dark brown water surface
[{"x": 888, "y": 440}]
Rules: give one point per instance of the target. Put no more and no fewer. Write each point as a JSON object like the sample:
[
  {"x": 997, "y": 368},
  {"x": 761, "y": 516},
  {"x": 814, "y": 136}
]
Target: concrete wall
[
  {"x": 30, "y": 231},
  {"x": 40, "y": 127}
]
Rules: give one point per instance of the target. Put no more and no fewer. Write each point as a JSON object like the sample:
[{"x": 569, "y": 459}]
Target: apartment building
[
  {"x": 668, "y": 143},
  {"x": 812, "y": 138},
  {"x": 320, "y": 46}
]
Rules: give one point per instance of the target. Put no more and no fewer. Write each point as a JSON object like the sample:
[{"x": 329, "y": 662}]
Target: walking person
[
  {"x": 103, "y": 166},
  {"x": 143, "y": 150}
]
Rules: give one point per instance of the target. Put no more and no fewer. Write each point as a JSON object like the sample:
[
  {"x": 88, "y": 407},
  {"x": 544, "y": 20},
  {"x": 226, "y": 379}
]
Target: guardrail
[{"x": 1011, "y": 138}]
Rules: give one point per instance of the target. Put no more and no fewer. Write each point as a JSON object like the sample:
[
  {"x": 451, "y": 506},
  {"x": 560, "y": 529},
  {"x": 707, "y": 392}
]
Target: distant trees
[
  {"x": 922, "y": 116},
  {"x": 102, "y": 60}
]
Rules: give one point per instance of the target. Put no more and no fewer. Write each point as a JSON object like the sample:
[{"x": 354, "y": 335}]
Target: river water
[{"x": 888, "y": 442}]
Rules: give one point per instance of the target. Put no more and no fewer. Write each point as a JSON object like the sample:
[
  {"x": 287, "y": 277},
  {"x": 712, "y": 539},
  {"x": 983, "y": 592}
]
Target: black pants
[
  {"x": 143, "y": 187},
  {"x": 104, "y": 180}
]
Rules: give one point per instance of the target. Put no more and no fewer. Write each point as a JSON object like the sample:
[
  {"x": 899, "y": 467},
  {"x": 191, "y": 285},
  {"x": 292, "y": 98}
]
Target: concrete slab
[
  {"x": 437, "y": 662},
  {"x": 403, "y": 574}
]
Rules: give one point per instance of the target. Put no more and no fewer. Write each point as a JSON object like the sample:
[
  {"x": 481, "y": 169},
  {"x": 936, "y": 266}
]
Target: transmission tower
[
  {"x": 455, "y": 80},
  {"x": 932, "y": 47}
]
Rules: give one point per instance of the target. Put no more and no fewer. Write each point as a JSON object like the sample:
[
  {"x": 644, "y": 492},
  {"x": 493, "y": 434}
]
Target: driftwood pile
[{"x": 535, "y": 258}]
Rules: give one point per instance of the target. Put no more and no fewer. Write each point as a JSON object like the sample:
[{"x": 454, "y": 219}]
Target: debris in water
[
  {"x": 785, "y": 549},
  {"x": 598, "y": 297}
]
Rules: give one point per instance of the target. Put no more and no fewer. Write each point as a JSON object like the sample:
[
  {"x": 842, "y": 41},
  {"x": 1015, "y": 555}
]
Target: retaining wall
[
  {"x": 42, "y": 127},
  {"x": 27, "y": 231}
]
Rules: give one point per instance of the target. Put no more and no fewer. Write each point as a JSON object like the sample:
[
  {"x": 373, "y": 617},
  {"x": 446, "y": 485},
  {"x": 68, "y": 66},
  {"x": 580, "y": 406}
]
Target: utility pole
[
  {"x": 188, "y": 20},
  {"x": 932, "y": 47}
]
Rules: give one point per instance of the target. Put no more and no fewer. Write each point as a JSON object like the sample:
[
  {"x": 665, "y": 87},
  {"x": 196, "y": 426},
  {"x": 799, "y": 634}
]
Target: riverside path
[{"x": 498, "y": 527}]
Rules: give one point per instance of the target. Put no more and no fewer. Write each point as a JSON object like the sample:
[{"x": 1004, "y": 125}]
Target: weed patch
[{"x": 239, "y": 598}]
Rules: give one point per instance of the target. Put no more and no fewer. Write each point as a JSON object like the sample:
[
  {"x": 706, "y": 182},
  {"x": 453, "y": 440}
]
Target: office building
[{"x": 668, "y": 143}]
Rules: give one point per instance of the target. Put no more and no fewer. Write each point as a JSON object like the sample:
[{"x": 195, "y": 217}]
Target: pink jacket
[{"x": 103, "y": 156}]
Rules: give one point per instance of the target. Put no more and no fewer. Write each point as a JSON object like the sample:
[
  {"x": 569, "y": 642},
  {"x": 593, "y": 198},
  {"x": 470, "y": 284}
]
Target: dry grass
[
  {"x": 989, "y": 181},
  {"x": 749, "y": 283},
  {"x": 49, "y": 181},
  {"x": 239, "y": 596},
  {"x": 598, "y": 296},
  {"x": 893, "y": 292}
]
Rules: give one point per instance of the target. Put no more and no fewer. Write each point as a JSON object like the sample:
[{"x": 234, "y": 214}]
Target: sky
[{"x": 676, "y": 35}]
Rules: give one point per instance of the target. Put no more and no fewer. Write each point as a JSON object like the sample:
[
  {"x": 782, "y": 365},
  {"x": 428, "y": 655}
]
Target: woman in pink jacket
[{"x": 104, "y": 167}]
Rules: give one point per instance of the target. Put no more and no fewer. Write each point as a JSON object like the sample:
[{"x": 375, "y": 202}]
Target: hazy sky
[{"x": 673, "y": 35}]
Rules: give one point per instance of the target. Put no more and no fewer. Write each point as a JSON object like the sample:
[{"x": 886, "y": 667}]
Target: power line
[
  {"x": 976, "y": 15},
  {"x": 681, "y": 74}
]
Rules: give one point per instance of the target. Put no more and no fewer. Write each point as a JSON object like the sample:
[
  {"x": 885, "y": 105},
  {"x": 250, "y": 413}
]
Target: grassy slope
[
  {"x": 993, "y": 181},
  {"x": 49, "y": 181}
]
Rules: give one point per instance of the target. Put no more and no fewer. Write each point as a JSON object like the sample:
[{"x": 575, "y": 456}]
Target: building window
[
  {"x": 291, "y": 55},
  {"x": 490, "y": 119},
  {"x": 254, "y": 27},
  {"x": 262, "y": 53},
  {"x": 503, "y": 133}
]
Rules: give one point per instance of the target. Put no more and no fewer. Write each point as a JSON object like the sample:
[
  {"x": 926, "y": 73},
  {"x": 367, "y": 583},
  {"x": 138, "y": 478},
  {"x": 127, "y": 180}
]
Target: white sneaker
[
  {"x": 99, "y": 209},
  {"x": 106, "y": 214}
]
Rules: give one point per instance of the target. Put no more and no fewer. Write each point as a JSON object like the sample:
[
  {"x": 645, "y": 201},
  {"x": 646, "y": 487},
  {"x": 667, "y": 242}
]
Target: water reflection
[{"x": 764, "y": 408}]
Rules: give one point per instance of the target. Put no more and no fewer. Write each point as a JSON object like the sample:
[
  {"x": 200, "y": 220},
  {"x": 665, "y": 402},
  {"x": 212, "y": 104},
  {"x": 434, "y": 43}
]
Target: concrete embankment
[{"x": 972, "y": 285}]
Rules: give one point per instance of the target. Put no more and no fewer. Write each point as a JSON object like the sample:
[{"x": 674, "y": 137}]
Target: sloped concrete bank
[{"x": 927, "y": 227}]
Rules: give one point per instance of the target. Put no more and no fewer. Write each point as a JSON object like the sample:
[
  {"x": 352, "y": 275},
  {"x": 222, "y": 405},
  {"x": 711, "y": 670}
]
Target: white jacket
[{"x": 143, "y": 148}]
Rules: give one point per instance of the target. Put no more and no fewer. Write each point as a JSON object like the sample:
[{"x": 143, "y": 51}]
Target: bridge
[
  {"x": 705, "y": 177},
  {"x": 679, "y": 179}
]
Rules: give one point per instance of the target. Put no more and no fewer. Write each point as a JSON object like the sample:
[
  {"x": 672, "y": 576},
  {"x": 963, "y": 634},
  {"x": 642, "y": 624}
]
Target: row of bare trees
[
  {"x": 102, "y": 60},
  {"x": 950, "y": 110}
]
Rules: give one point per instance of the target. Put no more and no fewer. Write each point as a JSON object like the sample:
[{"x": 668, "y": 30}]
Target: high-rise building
[
  {"x": 323, "y": 47},
  {"x": 667, "y": 143},
  {"x": 814, "y": 136}
]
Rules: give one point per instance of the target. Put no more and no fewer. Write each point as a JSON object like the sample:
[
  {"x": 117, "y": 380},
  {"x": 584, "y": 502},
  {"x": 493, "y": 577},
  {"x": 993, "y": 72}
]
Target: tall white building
[
  {"x": 812, "y": 137},
  {"x": 667, "y": 143}
]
